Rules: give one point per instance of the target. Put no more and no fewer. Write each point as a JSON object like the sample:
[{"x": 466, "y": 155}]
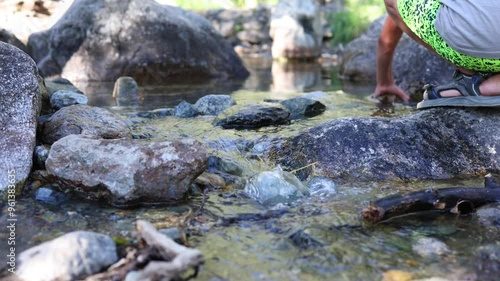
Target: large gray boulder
[
  {"x": 7, "y": 37},
  {"x": 296, "y": 29},
  {"x": 413, "y": 67},
  {"x": 432, "y": 144},
  {"x": 83, "y": 119},
  {"x": 72, "y": 256},
  {"x": 124, "y": 171},
  {"x": 20, "y": 102},
  {"x": 105, "y": 39}
]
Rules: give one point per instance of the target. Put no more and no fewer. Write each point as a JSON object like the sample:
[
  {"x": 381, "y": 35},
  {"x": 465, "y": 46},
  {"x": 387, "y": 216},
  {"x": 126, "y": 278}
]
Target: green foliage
[
  {"x": 219, "y": 4},
  {"x": 345, "y": 27},
  {"x": 354, "y": 19}
]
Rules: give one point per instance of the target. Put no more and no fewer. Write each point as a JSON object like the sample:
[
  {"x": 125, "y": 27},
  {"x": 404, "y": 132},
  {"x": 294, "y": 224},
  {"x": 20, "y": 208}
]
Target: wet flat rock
[
  {"x": 301, "y": 107},
  {"x": 253, "y": 116},
  {"x": 126, "y": 171}
]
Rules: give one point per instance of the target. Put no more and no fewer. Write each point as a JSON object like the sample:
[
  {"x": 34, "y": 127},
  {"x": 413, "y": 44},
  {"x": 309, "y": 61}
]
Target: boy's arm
[{"x": 387, "y": 43}]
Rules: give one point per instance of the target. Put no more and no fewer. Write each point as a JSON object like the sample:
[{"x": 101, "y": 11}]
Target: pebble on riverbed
[
  {"x": 428, "y": 247},
  {"x": 213, "y": 104},
  {"x": 40, "y": 156},
  {"x": 51, "y": 197},
  {"x": 185, "y": 110},
  {"x": 63, "y": 98}
]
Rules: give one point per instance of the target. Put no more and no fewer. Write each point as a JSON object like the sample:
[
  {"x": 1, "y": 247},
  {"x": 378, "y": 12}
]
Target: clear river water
[{"x": 320, "y": 237}]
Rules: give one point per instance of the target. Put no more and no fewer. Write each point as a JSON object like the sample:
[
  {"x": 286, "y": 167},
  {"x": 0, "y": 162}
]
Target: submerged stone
[
  {"x": 321, "y": 186},
  {"x": 429, "y": 247},
  {"x": 49, "y": 196},
  {"x": 163, "y": 112},
  {"x": 487, "y": 262},
  {"x": 304, "y": 240},
  {"x": 276, "y": 186}
]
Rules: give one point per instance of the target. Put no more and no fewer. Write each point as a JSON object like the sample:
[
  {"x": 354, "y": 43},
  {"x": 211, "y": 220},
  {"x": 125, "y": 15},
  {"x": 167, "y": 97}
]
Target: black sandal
[{"x": 466, "y": 85}]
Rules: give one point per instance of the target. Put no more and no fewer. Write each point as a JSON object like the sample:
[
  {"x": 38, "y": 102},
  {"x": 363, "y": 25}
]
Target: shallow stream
[{"x": 319, "y": 237}]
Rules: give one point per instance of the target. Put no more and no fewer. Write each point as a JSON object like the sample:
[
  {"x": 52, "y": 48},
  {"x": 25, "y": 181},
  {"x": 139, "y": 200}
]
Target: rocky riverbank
[{"x": 281, "y": 179}]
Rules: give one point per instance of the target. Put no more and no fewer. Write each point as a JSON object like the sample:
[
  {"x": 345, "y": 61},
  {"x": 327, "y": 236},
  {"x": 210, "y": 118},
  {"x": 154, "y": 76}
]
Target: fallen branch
[
  {"x": 177, "y": 257},
  {"x": 457, "y": 200},
  {"x": 159, "y": 258}
]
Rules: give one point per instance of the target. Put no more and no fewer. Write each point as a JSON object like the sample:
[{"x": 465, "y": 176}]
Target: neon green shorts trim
[{"x": 420, "y": 16}]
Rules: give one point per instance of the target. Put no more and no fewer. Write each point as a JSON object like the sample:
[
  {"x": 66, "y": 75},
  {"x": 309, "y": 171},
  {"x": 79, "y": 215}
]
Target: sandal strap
[
  {"x": 466, "y": 85},
  {"x": 470, "y": 83}
]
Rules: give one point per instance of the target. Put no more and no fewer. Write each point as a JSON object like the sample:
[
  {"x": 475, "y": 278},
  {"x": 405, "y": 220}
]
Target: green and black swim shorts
[{"x": 420, "y": 16}]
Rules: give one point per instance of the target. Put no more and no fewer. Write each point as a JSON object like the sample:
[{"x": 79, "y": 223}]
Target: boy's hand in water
[{"x": 389, "y": 92}]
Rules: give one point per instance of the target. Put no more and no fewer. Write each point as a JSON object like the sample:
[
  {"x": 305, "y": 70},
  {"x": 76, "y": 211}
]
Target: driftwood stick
[
  {"x": 177, "y": 257},
  {"x": 459, "y": 200}
]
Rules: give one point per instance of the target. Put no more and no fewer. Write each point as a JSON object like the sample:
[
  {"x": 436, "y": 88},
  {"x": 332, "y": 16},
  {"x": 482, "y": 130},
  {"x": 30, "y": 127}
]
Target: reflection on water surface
[{"x": 279, "y": 80}]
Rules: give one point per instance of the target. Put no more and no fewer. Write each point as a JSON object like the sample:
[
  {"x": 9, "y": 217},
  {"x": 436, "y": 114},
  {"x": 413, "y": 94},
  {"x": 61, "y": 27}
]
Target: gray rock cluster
[
  {"x": 250, "y": 116},
  {"x": 247, "y": 29}
]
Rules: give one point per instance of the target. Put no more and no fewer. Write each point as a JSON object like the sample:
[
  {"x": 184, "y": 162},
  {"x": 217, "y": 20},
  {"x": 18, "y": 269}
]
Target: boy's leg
[
  {"x": 393, "y": 12},
  {"x": 490, "y": 87}
]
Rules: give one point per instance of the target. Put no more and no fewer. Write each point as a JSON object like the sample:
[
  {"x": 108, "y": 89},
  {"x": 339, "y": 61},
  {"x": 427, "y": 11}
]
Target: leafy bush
[{"x": 353, "y": 19}]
